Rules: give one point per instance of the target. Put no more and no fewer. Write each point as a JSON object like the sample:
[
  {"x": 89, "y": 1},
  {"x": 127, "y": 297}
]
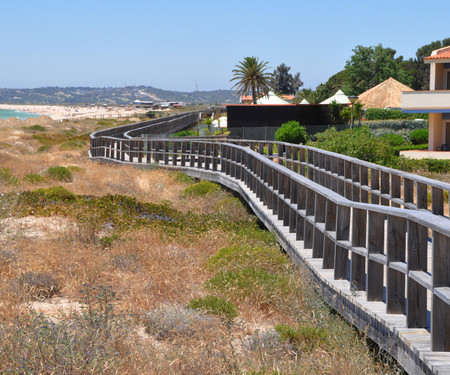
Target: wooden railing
[{"x": 395, "y": 255}]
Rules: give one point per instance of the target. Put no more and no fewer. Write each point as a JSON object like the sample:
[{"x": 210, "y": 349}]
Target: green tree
[
  {"x": 284, "y": 82},
  {"x": 313, "y": 97},
  {"x": 370, "y": 66},
  {"x": 252, "y": 77},
  {"x": 334, "y": 83},
  {"x": 419, "y": 71}
]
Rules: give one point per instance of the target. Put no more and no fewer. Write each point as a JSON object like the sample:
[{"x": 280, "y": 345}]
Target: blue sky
[{"x": 176, "y": 45}]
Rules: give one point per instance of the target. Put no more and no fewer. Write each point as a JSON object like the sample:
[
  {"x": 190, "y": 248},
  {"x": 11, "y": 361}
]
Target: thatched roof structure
[{"x": 387, "y": 94}]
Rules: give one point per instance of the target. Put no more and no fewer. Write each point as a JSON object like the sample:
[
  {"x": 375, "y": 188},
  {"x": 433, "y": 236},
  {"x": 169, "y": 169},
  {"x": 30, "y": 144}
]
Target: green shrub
[
  {"x": 419, "y": 136},
  {"x": 359, "y": 143},
  {"x": 60, "y": 174},
  {"x": 394, "y": 139},
  {"x": 235, "y": 257},
  {"x": 266, "y": 287},
  {"x": 215, "y": 306},
  {"x": 53, "y": 194},
  {"x": 392, "y": 114},
  {"x": 291, "y": 132},
  {"x": 182, "y": 177},
  {"x": 406, "y": 147},
  {"x": 35, "y": 128},
  {"x": 34, "y": 178},
  {"x": 307, "y": 336},
  {"x": 73, "y": 144},
  {"x": 185, "y": 133},
  {"x": 150, "y": 114},
  {"x": 44, "y": 148},
  {"x": 437, "y": 165},
  {"x": 7, "y": 178},
  {"x": 201, "y": 189}
]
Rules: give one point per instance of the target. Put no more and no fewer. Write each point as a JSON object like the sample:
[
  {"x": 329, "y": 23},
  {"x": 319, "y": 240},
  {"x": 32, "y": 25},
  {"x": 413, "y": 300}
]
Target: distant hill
[{"x": 111, "y": 95}]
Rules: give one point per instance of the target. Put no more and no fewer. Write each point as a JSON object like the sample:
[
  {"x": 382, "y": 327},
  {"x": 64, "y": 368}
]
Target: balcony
[{"x": 426, "y": 101}]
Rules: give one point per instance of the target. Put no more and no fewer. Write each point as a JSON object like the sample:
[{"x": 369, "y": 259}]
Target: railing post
[
  {"x": 358, "y": 260},
  {"x": 395, "y": 189},
  {"x": 374, "y": 185},
  {"x": 342, "y": 234},
  {"x": 440, "y": 318},
  {"x": 348, "y": 187},
  {"x": 416, "y": 316},
  {"x": 301, "y": 204},
  {"x": 395, "y": 288},
  {"x": 319, "y": 218},
  {"x": 375, "y": 269},
  {"x": 330, "y": 228},
  {"x": 385, "y": 188},
  {"x": 309, "y": 217},
  {"x": 356, "y": 194},
  {"x": 437, "y": 201},
  {"x": 364, "y": 183}
]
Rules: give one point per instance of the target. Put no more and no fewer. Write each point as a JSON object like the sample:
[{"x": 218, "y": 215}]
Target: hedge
[{"x": 392, "y": 114}]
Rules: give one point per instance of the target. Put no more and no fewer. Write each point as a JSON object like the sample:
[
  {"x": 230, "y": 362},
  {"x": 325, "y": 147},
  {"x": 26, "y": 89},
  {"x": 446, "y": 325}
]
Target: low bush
[
  {"x": 60, "y": 173},
  {"x": 168, "y": 322},
  {"x": 392, "y": 114},
  {"x": 215, "y": 306},
  {"x": 394, "y": 139},
  {"x": 182, "y": 177},
  {"x": 419, "y": 136},
  {"x": 359, "y": 143},
  {"x": 34, "y": 178},
  {"x": 291, "y": 132},
  {"x": 35, "y": 128},
  {"x": 73, "y": 144},
  {"x": 253, "y": 283},
  {"x": 268, "y": 258},
  {"x": 307, "y": 337},
  {"x": 44, "y": 148},
  {"x": 53, "y": 194},
  {"x": 40, "y": 285},
  {"x": 407, "y": 147},
  {"x": 437, "y": 165},
  {"x": 7, "y": 178},
  {"x": 185, "y": 133},
  {"x": 200, "y": 189},
  {"x": 92, "y": 341}
]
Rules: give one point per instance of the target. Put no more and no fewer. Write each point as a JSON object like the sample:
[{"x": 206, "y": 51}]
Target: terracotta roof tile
[{"x": 443, "y": 55}]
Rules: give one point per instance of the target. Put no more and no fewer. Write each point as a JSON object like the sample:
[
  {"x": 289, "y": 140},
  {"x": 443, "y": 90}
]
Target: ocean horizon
[{"x": 7, "y": 113}]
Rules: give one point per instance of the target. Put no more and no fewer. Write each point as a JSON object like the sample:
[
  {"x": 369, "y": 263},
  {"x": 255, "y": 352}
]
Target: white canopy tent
[
  {"x": 304, "y": 101},
  {"x": 339, "y": 98},
  {"x": 271, "y": 98}
]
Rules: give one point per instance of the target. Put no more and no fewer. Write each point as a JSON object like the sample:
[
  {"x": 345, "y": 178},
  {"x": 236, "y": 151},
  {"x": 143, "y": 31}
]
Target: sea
[{"x": 7, "y": 113}]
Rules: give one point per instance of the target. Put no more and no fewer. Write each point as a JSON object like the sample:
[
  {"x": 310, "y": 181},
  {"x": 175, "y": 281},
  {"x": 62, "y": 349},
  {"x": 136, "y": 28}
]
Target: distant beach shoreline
[{"x": 57, "y": 113}]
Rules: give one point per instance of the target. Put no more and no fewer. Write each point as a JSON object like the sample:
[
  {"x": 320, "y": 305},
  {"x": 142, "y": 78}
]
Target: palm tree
[{"x": 251, "y": 76}]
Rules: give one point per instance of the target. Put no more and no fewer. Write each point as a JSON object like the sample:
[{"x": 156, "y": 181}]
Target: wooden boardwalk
[{"x": 370, "y": 240}]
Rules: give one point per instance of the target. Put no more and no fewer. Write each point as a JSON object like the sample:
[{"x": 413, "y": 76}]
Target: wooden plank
[
  {"x": 396, "y": 252},
  {"x": 376, "y": 247}
]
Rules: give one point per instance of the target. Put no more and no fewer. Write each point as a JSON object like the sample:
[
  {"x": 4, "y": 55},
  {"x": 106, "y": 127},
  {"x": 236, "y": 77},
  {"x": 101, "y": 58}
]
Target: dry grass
[{"x": 148, "y": 272}]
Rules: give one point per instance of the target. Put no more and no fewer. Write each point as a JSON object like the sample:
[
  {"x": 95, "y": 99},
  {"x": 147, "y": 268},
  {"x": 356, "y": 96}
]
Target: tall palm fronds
[{"x": 251, "y": 76}]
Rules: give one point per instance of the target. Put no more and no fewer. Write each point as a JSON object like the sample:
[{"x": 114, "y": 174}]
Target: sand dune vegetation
[{"x": 108, "y": 269}]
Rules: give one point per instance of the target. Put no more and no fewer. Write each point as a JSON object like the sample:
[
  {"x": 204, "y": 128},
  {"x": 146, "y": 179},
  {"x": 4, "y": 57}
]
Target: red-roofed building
[{"x": 436, "y": 102}]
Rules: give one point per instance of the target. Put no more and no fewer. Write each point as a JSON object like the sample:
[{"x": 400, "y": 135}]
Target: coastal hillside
[{"x": 111, "y": 95}]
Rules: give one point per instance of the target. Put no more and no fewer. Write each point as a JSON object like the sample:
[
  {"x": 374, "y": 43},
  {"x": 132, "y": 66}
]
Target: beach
[{"x": 58, "y": 113}]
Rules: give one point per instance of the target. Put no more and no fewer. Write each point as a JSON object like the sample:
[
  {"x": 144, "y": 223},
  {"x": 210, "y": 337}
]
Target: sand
[{"x": 59, "y": 113}]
